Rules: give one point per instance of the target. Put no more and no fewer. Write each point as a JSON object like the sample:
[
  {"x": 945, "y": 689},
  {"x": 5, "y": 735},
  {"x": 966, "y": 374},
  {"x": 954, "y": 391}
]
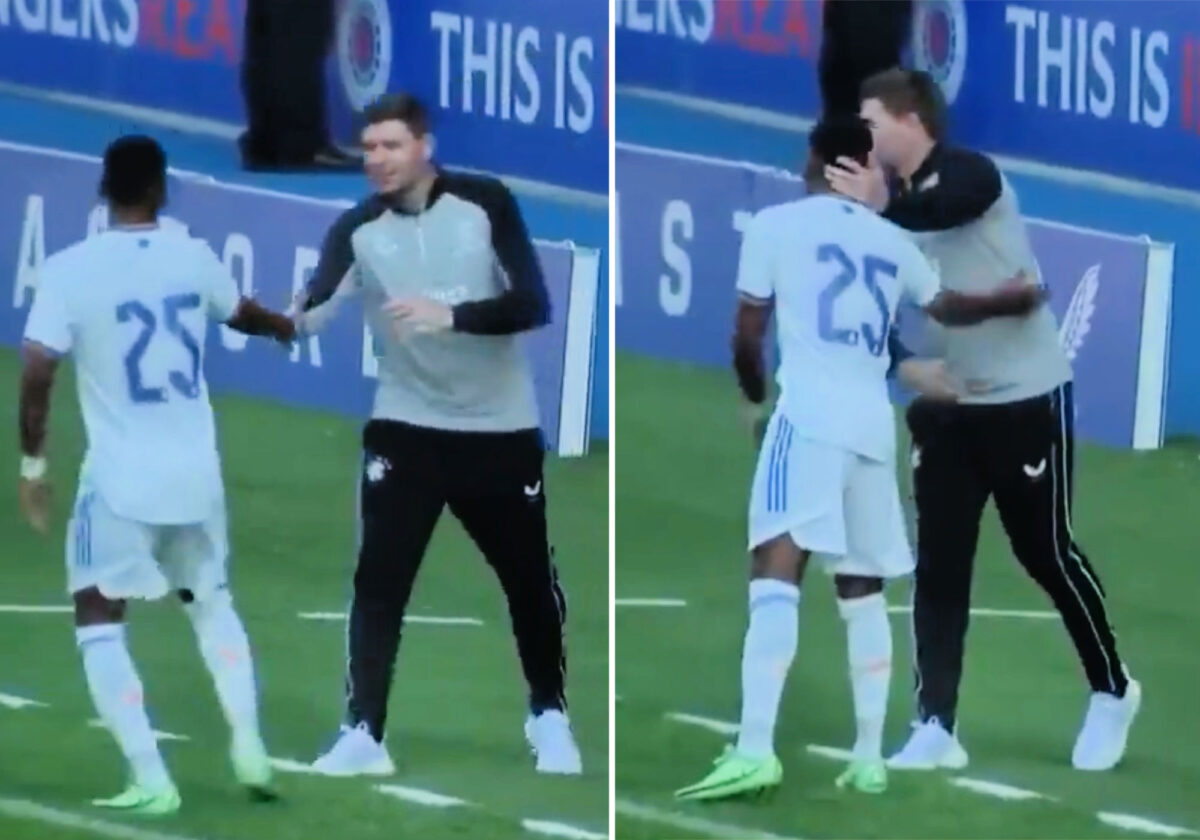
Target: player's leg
[
  {"x": 877, "y": 549},
  {"x": 401, "y": 496},
  {"x": 950, "y": 490},
  {"x": 195, "y": 559},
  {"x": 108, "y": 561},
  {"x": 1033, "y": 462},
  {"x": 795, "y": 510},
  {"x": 500, "y": 499}
]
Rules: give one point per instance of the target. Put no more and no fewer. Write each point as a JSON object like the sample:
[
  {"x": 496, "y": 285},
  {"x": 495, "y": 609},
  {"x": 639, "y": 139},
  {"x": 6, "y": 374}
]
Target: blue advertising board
[
  {"x": 1108, "y": 85},
  {"x": 269, "y": 241},
  {"x": 516, "y": 88},
  {"x": 679, "y": 223}
]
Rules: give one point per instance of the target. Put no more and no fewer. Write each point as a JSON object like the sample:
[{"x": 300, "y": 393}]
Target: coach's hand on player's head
[
  {"x": 34, "y": 495},
  {"x": 865, "y": 184},
  {"x": 928, "y": 378},
  {"x": 420, "y": 314}
]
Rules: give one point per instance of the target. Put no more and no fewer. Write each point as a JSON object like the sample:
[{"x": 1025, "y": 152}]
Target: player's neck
[
  {"x": 918, "y": 157},
  {"x": 131, "y": 218},
  {"x": 416, "y": 198}
]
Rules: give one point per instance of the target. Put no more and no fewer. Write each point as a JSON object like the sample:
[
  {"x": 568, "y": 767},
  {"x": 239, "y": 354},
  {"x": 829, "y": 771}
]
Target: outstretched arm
[
  {"x": 252, "y": 318},
  {"x": 1015, "y": 298}
]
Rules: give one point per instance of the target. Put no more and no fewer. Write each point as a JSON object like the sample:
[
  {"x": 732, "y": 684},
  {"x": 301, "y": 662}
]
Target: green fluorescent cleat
[
  {"x": 865, "y": 777},
  {"x": 735, "y": 774},
  {"x": 137, "y": 800},
  {"x": 252, "y": 767}
]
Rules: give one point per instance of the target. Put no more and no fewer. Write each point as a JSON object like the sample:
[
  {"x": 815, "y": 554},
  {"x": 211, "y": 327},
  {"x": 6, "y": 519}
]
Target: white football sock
[
  {"x": 767, "y": 655},
  {"x": 226, "y": 651},
  {"x": 116, "y": 692},
  {"x": 869, "y": 648}
]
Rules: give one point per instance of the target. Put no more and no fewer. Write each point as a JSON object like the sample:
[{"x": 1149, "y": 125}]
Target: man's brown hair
[{"x": 904, "y": 92}]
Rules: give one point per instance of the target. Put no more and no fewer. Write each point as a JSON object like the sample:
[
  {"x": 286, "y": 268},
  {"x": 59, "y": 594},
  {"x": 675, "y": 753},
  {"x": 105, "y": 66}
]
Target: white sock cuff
[
  {"x": 767, "y": 590},
  {"x": 849, "y": 608},
  {"x": 99, "y": 632}
]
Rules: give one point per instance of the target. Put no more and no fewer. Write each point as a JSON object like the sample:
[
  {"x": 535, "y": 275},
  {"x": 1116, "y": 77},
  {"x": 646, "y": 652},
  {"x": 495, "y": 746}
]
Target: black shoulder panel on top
[
  {"x": 525, "y": 304},
  {"x": 337, "y": 253}
]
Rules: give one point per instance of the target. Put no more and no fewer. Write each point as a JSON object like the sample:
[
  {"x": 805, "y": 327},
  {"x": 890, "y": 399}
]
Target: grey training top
[
  {"x": 965, "y": 217},
  {"x": 469, "y": 249}
]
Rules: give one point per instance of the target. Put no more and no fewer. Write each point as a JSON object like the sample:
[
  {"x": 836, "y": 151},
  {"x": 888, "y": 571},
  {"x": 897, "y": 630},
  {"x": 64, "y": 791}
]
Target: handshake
[{"x": 408, "y": 315}]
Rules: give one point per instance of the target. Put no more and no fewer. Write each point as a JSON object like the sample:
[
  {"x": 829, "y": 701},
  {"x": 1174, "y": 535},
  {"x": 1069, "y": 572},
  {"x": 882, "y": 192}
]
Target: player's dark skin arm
[
  {"x": 957, "y": 309},
  {"x": 525, "y": 305},
  {"x": 968, "y": 183},
  {"x": 37, "y": 386},
  {"x": 749, "y": 333},
  {"x": 251, "y": 318}
]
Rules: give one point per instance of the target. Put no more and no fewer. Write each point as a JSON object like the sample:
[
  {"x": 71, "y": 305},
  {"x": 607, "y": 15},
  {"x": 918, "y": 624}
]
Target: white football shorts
[
  {"x": 831, "y": 501},
  {"x": 128, "y": 559}
]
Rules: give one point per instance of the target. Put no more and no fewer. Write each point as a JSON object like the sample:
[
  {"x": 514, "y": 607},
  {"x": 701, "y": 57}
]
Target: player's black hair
[
  {"x": 832, "y": 138},
  {"x": 404, "y": 107},
  {"x": 903, "y": 92},
  {"x": 135, "y": 173}
]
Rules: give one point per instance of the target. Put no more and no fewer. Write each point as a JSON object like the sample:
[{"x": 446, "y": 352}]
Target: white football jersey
[
  {"x": 132, "y": 306},
  {"x": 836, "y": 271}
]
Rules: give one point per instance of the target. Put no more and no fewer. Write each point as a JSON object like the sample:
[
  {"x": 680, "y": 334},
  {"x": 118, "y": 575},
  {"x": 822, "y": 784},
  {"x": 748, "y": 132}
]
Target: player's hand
[
  {"x": 420, "y": 315},
  {"x": 1026, "y": 296},
  {"x": 928, "y": 378},
  {"x": 865, "y": 184},
  {"x": 34, "y": 495},
  {"x": 756, "y": 418}
]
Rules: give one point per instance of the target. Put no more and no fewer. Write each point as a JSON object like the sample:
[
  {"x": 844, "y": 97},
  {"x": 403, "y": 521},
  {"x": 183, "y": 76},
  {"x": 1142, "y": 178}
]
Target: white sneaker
[
  {"x": 356, "y": 753},
  {"x": 930, "y": 747},
  {"x": 549, "y": 735},
  {"x": 1105, "y": 731}
]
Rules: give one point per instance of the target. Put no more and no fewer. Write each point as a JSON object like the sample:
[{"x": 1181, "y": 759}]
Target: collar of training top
[
  {"x": 394, "y": 200},
  {"x": 926, "y": 168}
]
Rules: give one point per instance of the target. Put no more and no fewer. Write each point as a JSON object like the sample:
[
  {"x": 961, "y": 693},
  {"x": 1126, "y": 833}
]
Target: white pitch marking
[
  {"x": 21, "y": 809},
  {"x": 986, "y": 612},
  {"x": 421, "y": 797},
  {"x": 650, "y": 602},
  {"x": 999, "y": 790},
  {"x": 159, "y": 735},
  {"x": 408, "y": 619},
  {"x": 721, "y": 727},
  {"x": 557, "y": 829},
  {"x": 34, "y": 609},
  {"x": 290, "y": 765},
  {"x": 697, "y": 825},
  {"x": 832, "y": 753},
  {"x": 12, "y": 701},
  {"x": 1129, "y": 822}
]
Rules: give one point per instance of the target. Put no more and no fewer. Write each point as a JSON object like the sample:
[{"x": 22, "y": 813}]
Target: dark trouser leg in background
[
  {"x": 401, "y": 499},
  {"x": 283, "y": 80},
  {"x": 1033, "y": 470},
  {"x": 859, "y": 39},
  {"x": 502, "y": 506},
  {"x": 950, "y": 492}
]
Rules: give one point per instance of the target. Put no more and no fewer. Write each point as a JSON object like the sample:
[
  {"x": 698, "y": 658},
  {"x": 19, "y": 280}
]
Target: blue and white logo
[
  {"x": 364, "y": 50},
  {"x": 939, "y": 43}
]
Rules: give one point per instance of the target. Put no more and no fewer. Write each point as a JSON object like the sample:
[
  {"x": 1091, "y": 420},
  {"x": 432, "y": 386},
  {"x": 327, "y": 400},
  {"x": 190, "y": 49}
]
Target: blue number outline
[
  {"x": 186, "y": 384},
  {"x": 873, "y": 266},
  {"x": 138, "y": 392}
]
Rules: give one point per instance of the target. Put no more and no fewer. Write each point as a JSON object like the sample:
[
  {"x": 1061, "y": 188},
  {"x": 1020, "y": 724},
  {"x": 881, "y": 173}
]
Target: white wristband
[{"x": 33, "y": 469}]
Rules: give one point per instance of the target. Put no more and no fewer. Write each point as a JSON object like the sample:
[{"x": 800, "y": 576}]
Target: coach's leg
[
  {"x": 500, "y": 499},
  {"x": 502, "y": 506},
  {"x": 1033, "y": 480},
  {"x": 400, "y": 499},
  {"x": 950, "y": 493}
]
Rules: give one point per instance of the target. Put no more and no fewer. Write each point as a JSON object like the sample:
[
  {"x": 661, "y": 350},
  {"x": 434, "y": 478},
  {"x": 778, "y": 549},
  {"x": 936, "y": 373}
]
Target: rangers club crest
[
  {"x": 364, "y": 50},
  {"x": 939, "y": 43}
]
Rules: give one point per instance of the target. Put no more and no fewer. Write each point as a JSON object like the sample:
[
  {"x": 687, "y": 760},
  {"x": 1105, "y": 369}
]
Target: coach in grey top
[
  {"x": 446, "y": 288},
  {"x": 449, "y": 279},
  {"x": 1010, "y": 437}
]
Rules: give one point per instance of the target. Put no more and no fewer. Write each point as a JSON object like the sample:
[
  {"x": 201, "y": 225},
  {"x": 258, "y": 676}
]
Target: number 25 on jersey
[{"x": 874, "y": 335}]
